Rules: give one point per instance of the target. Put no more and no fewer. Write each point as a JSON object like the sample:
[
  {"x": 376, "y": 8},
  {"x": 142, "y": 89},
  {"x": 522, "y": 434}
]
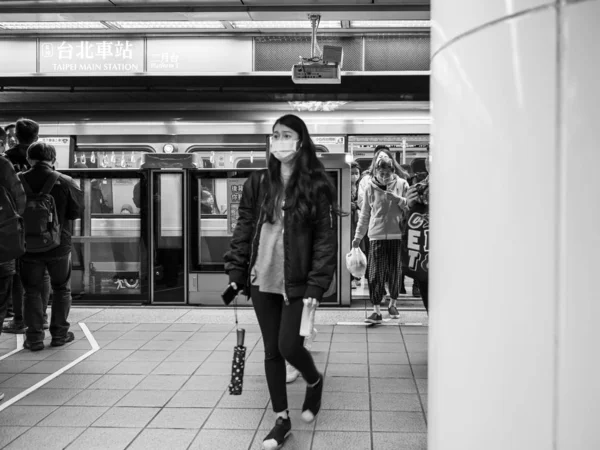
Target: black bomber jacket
[{"x": 310, "y": 248}]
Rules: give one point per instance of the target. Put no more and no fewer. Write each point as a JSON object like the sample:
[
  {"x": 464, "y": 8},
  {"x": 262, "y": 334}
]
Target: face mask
[{"x": 284, "y": 151}]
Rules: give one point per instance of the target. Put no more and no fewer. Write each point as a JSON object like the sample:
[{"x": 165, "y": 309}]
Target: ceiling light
[
  {"x": 51, "y": 25},
  {"x": 168, "y": 24},
  {"x": 262, "y": 24},
  {"x": 390, "y": 24},
  {"x": 316, "y": 106}
]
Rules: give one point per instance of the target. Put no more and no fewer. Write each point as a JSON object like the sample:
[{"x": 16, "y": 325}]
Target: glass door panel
[{"x": 168, "y": 280}]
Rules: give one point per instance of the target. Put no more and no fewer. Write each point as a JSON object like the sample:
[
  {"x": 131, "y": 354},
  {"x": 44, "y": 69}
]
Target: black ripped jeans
[{"x": 280, "y": 327}]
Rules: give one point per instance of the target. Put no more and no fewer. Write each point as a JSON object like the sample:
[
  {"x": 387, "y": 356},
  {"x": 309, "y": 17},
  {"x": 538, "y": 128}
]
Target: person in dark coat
[
  {"x": 284, "y": 252},
  {"x": 26, "y": 132},
  {"x": 10, "y": 182}
]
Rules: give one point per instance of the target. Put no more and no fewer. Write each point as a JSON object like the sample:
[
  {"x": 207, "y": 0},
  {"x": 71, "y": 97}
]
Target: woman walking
[
  {"x": 283, "y": 252},
  {"x": 382, "y": 209}
]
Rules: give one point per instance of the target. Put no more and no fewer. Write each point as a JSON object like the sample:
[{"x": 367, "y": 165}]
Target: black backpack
[
  {"x": 12, "y": 228},
  {"x": 42, "y": 230}
]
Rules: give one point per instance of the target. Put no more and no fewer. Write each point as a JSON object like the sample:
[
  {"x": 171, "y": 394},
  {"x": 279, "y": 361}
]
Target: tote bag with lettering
[{"x": 415, "y": 244}]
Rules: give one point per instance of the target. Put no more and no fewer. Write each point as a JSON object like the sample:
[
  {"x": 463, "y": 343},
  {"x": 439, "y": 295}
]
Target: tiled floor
[{"x": 163, "y": 386}]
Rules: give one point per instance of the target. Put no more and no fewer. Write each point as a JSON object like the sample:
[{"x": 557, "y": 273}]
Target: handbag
[{"x": 415, "y": 245}]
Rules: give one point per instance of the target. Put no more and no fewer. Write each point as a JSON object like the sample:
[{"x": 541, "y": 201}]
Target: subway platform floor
[{"x": 158, "y": 378}]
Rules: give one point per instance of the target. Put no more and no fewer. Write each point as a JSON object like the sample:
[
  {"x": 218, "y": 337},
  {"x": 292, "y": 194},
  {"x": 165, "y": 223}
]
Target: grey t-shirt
[{"x": 267, "y": 272}]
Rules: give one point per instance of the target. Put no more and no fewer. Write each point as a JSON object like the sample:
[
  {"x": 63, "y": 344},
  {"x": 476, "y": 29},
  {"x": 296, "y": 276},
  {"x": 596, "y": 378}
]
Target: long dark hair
[{"x": 308, "y": 179}]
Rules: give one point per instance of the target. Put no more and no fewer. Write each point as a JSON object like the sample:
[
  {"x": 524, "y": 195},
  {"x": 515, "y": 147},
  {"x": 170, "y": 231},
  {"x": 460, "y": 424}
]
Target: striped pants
[{"x": 385, "y": 265}]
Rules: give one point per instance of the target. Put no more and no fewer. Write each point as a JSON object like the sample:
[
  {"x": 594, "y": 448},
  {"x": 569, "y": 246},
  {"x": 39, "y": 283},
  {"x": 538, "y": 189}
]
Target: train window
[
  {"x": 214, "y": 213},
  {"x": 114, "y": 196},
  {"x": 108, "y": 240},
  {"x": 254, "y": 163}
]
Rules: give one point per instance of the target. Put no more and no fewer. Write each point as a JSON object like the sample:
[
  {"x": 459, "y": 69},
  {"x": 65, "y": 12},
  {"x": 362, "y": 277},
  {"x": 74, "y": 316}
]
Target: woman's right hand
[
  {"x": 356, "y": 243},
  {"x": 412, "y": 196}
]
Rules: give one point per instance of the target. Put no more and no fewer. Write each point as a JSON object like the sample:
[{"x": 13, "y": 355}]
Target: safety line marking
[
  {"x": 384, "y": 324},
  {"x": 95, "y": 348},
  {"x": 20, "y": 340}
]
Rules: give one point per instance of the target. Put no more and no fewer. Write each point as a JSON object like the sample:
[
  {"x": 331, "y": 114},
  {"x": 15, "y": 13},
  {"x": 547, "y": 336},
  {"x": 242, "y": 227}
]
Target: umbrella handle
[{"x": 241, "y": 334}]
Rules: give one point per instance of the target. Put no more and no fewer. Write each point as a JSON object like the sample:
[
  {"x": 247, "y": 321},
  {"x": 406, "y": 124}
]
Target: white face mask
[{"x": 284, "y": 150}]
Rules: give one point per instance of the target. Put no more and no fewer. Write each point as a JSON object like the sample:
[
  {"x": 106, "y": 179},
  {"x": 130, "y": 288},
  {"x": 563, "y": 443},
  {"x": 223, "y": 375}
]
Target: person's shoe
[
  {"x": 46, "y": 326},
  {"x": 58, "y": 342},
  {"x": 374, "y": 318},
  {"x": 13, "y": 327},
  {"x": 291, "y": 373},
  {"x": 394, "y": 314},
  {"x": 33, "y": 346},
  {"x": 278, "y": 435},
  {"x": 9, "y": 314},
  {"x": 402, "y": 289},
  {"x": 359, "y": 282},
  {"x": 416, "y": 292},
  {"x": 312, "y": 401}
]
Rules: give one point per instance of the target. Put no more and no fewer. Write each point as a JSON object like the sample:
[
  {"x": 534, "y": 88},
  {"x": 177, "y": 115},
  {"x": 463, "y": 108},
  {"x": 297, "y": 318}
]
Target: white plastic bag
[{"x": 356, "y": 262}]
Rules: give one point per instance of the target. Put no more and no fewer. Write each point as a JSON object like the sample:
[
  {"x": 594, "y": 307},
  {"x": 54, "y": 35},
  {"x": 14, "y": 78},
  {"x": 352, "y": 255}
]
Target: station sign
[
  {"x": 62, "y": 145},
  {"x": 191, "y": 55},
  {"x": 96, "y": 55},
  {"x": 334, "y": 144},
  {"x": 17, "y": 56}
]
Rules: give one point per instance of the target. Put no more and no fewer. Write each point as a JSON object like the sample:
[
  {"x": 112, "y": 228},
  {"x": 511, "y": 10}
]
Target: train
[{"x": 129, "y": 249}]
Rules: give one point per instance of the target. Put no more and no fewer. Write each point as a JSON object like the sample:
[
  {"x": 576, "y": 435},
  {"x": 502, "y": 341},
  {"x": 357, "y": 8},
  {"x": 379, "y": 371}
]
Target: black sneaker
[
  {"x": 312, "y": 401},
  {"x": 13, "y": 327},
  {"x": 416, "y": 291},
  {"x": 278, "y": 435},
  {"x": 58, "y": 342},
  {"x": 46, "y": 326},
  {"x": 374, "y": 318},
  {"x": 33, "y": 346},
  {"x": 394, "y": 314}
]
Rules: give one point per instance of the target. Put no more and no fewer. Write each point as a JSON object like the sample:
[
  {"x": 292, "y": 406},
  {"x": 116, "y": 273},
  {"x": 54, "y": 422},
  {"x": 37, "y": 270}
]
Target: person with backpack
[
  {"x": 12, "y": 233},
  {"x": 53, "y": 200},
  {"x": 26, "y": 132}
]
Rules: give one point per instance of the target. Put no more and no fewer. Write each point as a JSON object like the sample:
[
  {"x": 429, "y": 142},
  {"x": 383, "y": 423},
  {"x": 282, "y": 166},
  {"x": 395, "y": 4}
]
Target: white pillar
[{"x": 514, "y": 353}]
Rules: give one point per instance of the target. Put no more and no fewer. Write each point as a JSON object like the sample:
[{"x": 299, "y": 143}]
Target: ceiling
[{"x": 227, "y": 12}]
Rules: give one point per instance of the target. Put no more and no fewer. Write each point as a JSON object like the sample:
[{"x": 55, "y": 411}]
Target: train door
[{"x": 168, "y": 241}]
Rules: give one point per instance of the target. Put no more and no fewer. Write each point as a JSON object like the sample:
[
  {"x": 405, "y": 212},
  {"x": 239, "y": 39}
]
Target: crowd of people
[
  {"x": 282, "y": 254},
  {"x": 37, "y": 207}
]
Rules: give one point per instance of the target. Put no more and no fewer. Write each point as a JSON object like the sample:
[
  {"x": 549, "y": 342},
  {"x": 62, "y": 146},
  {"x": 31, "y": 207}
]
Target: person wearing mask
[
  {"x": 14, "y": 193},
  {"x": 26, "y": 132},
  {"x": 384, "y": 200},
  {"x": 284, "y": 252},
  {"x": 55, "y": 259}
]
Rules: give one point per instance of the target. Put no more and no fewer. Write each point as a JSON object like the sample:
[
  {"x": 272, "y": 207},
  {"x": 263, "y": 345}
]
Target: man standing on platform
[
  {"x": 12, "y": 203},
  {"x": 26, "y": 132}
]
